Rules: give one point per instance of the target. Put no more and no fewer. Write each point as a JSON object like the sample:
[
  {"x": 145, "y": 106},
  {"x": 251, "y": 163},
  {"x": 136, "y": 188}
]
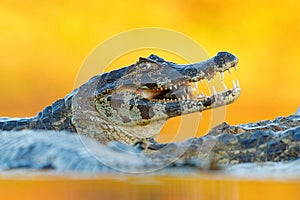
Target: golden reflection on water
[{"x": 199, "y": 186}]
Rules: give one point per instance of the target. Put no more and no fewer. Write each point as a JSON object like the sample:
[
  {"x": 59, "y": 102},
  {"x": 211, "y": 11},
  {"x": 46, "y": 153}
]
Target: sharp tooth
[
  {"x": 187, "y": 97},
  {"x": 170, "y": 88},
  {"x": 235, "y": 67},
  {"x": 214, "y": 90},
  {"x": 222, "y": 75},
  {"x": 193, "y": 88},
  {"x": 189, "y": 89},
  {"x": 201, "y": 95},
  {"x": 225, "y": 87},
  {"x": 175, "y": 86},
  {"x": 234, "y": 85},
  {"x": 237, "y": 83},
  {"x": 183, "y": 98},
  {"x": 229, "y": 71}
]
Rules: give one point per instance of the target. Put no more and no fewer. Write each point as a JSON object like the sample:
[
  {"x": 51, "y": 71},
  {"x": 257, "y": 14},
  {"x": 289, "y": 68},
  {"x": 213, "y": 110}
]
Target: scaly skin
[
  {"x": 133, "y": 103},
  {"x": 55, "y": 117},
  {"x": 269, "y": 140},
  {"x": 67, "y": 152}
]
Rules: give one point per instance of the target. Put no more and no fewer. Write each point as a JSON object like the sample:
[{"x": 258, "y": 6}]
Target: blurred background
[{"x": 44, "y": 43}]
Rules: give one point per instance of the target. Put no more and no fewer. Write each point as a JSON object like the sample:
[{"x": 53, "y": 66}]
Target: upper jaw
[
  {"x": 186, "y": 88},
  {"x": 223, "y": 61}
]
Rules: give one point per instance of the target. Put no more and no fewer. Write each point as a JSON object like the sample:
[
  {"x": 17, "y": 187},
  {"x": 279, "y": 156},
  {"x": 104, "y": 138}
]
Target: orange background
[{"x": 43, "y": 44}]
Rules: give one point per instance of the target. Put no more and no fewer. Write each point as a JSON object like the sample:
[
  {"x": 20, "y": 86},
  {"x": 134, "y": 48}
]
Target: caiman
[{"x": 132, "y": 104}]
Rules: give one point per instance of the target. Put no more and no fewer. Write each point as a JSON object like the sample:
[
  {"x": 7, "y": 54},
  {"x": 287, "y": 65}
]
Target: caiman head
[{"x": 137, "y": 100}]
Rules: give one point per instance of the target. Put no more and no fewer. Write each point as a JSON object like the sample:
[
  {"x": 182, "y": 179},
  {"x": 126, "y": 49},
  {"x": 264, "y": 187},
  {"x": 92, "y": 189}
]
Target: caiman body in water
[
  {"x": 221, "y": 148},
  {"x": 131, "y": 105}
]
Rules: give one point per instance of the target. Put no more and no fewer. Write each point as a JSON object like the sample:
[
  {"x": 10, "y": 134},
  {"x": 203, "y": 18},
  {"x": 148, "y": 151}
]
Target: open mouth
[{"x": 189, "y": 90}]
